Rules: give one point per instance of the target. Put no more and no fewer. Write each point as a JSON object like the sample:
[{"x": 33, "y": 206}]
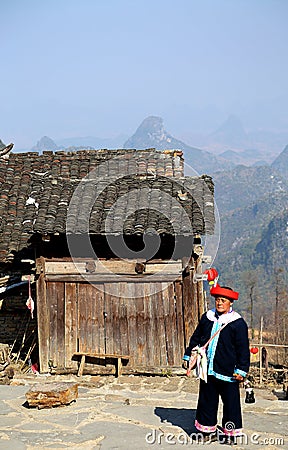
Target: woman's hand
[
  {"x": 185, "y": 365},
  {"x": 237, "y": 377}
]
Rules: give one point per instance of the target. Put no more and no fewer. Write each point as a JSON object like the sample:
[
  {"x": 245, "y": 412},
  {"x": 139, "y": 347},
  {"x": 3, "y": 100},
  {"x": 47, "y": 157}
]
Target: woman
[{"x": 228, "y": 360}]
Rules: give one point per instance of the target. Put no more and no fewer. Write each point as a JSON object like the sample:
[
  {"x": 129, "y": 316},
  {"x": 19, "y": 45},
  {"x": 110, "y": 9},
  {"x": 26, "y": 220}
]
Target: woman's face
[{"x": 222, "y": 305}]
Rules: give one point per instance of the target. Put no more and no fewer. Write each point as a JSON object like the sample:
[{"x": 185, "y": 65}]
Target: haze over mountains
[
  {"x": 251, "y": 193},
  {"x": 253, "y": 209},
  {"x": 226, "y": 147},
  {"x": 151, "y": 133}
]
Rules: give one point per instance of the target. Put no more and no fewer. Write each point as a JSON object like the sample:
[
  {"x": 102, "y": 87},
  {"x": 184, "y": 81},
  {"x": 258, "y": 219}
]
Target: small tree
[{"x": 250, "y": 283}]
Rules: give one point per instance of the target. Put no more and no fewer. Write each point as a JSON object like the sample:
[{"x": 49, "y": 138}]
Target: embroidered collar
[{"x": 223, "y": 318}]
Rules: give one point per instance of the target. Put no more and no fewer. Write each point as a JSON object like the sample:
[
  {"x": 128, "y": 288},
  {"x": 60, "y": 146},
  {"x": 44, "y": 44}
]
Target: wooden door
[{"x": 135, "y": 320}]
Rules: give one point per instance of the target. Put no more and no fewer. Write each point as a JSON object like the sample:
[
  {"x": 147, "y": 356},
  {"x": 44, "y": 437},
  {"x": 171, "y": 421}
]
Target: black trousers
[{"x": 208, "y": 401}]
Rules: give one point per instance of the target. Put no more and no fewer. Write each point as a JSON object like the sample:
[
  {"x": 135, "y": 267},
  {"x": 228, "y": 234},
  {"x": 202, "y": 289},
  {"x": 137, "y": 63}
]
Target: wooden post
[
  {"x": 261, "y": 349},
  {"x": 118, "y": 367},
  {"x": 81, "y": 366},
  {"x": 43, "y": 318}
]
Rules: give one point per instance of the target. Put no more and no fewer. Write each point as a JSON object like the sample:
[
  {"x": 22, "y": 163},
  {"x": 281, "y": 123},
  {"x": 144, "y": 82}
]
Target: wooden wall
[{"x": 150, "y": 321}]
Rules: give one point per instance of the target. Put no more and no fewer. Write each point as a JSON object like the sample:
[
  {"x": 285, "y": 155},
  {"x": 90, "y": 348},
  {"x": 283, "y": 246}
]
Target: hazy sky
[{"x": 99, "y": 67}]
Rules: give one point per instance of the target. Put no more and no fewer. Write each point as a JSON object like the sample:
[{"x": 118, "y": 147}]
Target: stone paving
[{"x": 131, "y": 412}]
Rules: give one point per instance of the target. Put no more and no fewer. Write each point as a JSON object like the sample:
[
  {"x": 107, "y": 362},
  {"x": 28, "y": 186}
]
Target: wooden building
[{"x": 112, "y": 239}]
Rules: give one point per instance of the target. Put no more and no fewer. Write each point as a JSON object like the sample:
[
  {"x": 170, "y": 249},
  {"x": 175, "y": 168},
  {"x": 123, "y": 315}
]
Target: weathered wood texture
[
  {"x": 55, "y": 267},
  {"x": 149, "y": 321},
  {"x": 48, "y": 395}
]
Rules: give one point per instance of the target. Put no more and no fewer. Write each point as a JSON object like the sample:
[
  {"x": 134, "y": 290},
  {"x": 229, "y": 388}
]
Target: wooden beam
[
  {"x": 110, "y": 267},
  {"x": 103, "y": 278}
]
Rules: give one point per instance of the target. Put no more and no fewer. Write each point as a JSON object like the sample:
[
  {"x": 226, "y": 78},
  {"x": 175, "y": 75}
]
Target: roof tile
[{"x": 132, "y": 190}]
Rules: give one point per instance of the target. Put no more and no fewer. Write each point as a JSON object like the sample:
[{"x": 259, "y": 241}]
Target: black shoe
[
  {"x": 204, "y": 438},
  {"x": 209, "y": 437},
  {"x": 250, "y": 398},
  {"x": 229, "y": 440}
]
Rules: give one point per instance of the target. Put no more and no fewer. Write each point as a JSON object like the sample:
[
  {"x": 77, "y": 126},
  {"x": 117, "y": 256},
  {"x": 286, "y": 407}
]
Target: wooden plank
[
  {"x": 200, "y": 292},
  {"x": 64, "y": 267},
  {"x": 140, "y": 327},
  {"x": 186, "y": 311},
  {"x": 194, "y": 303},
  {"x": 82, "y": 343},
  {"x": 103, "y": 278},
  {"x": 43, "y": 320},
  {"x": 161, "y": 325},
  {"x": 97, "y": 319},
  {"x": 108, "y": 266},
  {"x": 175, "y": 344},
  {"x": 179, "y": 317},
  {"x": 190, "y": 305},
  {"x": 148, "y": 324},
  {"x": 169, "y": 322},
  {"x": 70, "y": 324},
  {"x": 155, "y": 349},
  {"x": 108, "y": 314},
  {"x": 89, "y": 291},
  {"x": 99, "y": 330},
  {"x": 60, "y": 294},
  {"x": 52, "y": 300},
  {"x": 115, "y": 303},
  {"x": 167, "y": 267},
  {"x": 131, "y": 319},
  {"x": 123, "y": 321},
  {"x": 94, "y": 319},
  {"x": 102, "y": 355}
]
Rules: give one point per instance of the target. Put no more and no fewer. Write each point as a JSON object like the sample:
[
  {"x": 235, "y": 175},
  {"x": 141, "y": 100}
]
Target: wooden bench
[{"x": 105, "y": 358}]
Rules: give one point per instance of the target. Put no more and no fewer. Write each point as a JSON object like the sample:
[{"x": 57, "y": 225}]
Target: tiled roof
[{"x": 100, "y": 191}]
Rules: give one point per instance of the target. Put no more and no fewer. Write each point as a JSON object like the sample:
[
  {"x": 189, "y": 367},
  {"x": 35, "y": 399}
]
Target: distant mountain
[
  {"x": 281, "y": 162},
  {"x": 254, "y": 146},
  {"x": 272, "y": 250},
  {"x": 234, "y": 157},
  {"x": 92, "y": 141},
  {"x": 259, "y": 163},
  {"x": 77, "y": 143},
  {"x": 245, "y": 186},
  {"x": 248, "y": 157},
  {"x": 253, "y": 207},
  {"x": 45, "y": 143},
  {"x": 2, "y": 145},
  {"x": 151, "y": 134},
  {"x": 231, "y": 132}
]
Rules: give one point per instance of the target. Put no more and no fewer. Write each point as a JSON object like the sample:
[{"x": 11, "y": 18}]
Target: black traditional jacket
[{"x": 228, "y": 352}]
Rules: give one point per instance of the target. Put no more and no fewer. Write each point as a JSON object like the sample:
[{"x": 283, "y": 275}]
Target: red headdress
[{"x": 224, "y": 292}]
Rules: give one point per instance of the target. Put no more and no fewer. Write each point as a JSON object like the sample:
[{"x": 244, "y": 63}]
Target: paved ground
[{"x": 131, "y": 412}]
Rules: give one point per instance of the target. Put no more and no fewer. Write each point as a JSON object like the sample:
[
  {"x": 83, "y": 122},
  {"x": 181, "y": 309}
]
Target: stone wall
[{"x": 17, "y": 328}]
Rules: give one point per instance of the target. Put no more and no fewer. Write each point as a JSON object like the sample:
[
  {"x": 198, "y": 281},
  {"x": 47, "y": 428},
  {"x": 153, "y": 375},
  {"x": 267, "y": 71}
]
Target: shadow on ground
[{"x": 180, "y": 417}]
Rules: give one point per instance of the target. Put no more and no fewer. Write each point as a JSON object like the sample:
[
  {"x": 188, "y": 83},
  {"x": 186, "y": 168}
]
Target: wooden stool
[{"x": 107, "y": 358}]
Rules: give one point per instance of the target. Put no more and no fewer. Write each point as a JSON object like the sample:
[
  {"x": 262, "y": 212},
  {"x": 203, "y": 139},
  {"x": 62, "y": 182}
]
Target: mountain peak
[
  {"x": 281, "y": 162},
  {"x": 45, "y": 143},
  {"x": 152, "y": 134},
  {"x": 231, "y": 132}
]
